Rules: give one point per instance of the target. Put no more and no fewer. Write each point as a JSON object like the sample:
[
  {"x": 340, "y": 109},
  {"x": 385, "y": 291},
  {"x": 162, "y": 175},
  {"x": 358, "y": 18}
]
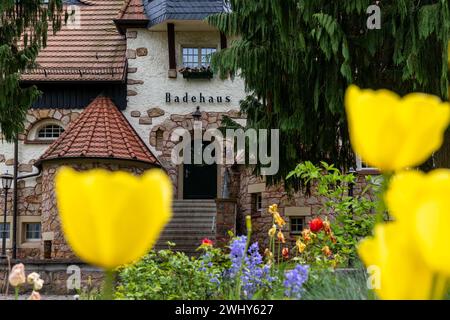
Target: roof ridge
[
  {"x": 108, "y": 137},
  {"x": 125, "y": 138}
]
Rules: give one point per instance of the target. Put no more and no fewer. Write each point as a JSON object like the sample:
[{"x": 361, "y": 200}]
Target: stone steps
[{"x": 192, "y": 221}]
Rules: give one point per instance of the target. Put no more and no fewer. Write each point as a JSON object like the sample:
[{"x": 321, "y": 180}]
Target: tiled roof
[
  {"x": 132, "y": 10},
  {"x": 101, "y": 132},
  {"x": 93, "y": 50},
  {"x": 159, "y": 11}
]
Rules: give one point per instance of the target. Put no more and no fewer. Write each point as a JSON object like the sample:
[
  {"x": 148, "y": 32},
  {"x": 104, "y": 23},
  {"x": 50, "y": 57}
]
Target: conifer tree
[
  {"x": 23, "y": 32},
  {"x": 297, "y": 57}
]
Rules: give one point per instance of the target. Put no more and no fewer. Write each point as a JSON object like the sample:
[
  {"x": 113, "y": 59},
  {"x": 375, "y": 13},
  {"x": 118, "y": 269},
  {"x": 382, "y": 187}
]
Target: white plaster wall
[
  {"x": 153, "y": 70},
  {"x": 27, "y": 153}
]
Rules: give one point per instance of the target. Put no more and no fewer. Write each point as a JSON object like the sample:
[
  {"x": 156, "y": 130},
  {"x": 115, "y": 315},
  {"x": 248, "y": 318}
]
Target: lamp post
[
  {"x": 197, "y": 114},
  {"x": 6, "y": 185}
]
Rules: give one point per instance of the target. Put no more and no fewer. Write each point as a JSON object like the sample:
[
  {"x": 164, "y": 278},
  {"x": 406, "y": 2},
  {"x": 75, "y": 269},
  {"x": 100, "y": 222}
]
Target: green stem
[
  {"x": 108, "y": 285},
  {"x": 16, "y": 293},
  {"x": 439, "y": 287}
]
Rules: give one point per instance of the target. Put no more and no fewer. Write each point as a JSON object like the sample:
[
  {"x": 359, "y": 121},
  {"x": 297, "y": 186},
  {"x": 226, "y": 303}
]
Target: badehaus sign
[{"x": 200, "y": 98}]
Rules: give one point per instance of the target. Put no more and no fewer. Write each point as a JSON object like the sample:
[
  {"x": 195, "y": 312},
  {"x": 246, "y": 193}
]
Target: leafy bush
[
  {"x": 169, "y": 275},
  {"x": 352, "y": 217}
]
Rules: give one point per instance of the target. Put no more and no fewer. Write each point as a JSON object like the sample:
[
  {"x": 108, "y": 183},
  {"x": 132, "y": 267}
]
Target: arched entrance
[{"x": 199, "y": 180}]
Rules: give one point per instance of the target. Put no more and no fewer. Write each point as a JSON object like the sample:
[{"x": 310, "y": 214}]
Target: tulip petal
[
  {"x": 422, "y": 203},
  {"x": 111, "y": 219},
  {"x": 404, "y": 275},
  {"x": 393, "y": 133}
]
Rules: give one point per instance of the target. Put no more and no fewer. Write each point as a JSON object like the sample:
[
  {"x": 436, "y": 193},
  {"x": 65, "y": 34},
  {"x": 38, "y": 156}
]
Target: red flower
[
  {"x": 285, "y": 253},
  {"x": 207, "y": 242},
  {"x": 316, "y": 225}
]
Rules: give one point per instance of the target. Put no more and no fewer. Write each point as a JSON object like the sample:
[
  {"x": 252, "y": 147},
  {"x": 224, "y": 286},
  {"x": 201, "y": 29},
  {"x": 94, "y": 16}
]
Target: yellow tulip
[
  {"x": 300, "y": 246},
  {"x": 279, "y": 220},
  {"x": 273, "y": 209},
  {"x": 422, "y": 202},
  {"x": 392, "y": 133},
  {"x": 272, "y": 231},
  {"x": 112, "y": 219},
  {"x": 403, "y": 273}
]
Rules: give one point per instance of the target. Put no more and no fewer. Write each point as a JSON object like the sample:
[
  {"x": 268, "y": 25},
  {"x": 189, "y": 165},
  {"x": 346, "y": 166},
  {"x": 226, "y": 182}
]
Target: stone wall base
[{"x": 55, "y": 275}]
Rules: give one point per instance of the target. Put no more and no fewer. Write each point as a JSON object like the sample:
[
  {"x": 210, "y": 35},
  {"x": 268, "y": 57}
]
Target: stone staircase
[{"x": 192, "y": 221}]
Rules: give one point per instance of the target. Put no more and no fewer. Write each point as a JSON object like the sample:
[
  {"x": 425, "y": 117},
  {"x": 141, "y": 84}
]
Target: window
[
  {"x": 361, "y": 165},
  {"x": 32, "y": 231},
  {"x": 256, "y": 204},
  {"x": 50, "y": 132},
  {"x": 197, "y": 57},
  {"x": 296, "y": 225},
  {"x": 4, "y": 231}
]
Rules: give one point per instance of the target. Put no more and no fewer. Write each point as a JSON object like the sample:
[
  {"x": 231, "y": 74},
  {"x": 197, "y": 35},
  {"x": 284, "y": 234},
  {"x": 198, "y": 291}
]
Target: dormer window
[{"x": 197, "y": 57}]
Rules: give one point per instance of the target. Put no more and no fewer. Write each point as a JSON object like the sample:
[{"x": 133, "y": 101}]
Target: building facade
[{"x": 118, "y": 81}]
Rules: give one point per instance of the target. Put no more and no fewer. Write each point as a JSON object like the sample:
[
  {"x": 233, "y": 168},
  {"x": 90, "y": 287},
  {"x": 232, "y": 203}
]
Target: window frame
[
  {"x": 32, "y": 135},
  {"x": 2, "y": 232},
  {"x": 25, "y": 231},
  {"x": 199, "y": 55},
  {"x": 256, "y": 204},
  {"x": 296, "y": 233},
  {"x": 362, "y": 168},
  {"x": 45, "y": 126}
]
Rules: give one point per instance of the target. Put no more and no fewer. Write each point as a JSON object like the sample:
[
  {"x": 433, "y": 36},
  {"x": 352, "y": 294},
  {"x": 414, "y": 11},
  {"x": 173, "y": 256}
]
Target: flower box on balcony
[{"x": 197, "y": 73}]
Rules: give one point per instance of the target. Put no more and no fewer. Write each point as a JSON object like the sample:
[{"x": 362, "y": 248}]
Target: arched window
[{"x": 49, "y": 132}]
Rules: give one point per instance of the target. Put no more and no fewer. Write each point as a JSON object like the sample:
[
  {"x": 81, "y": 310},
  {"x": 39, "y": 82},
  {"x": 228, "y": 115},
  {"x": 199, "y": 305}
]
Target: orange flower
[
  {"x": 279, "y": 220},
  {"x": 273, "y": 209},
  {"x": 208, "y": 243},
  {"x": 285, "y": 253},
  {"x": 326, "y": 251},
  {"x": 306, "y": 234},
  {"x": 327, "y": 227},
  {"x": 280, "y": 237}
]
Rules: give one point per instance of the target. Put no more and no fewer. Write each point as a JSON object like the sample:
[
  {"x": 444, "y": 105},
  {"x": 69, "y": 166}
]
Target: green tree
[
  {"x": 297, "y": 57},
  {"x": 23, "y": 32}
]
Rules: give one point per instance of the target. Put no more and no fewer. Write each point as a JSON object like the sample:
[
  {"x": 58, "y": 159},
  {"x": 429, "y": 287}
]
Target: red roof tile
[
  {"x": 101, "y": 131},
  {"x": 95, "y": 50},
  {"x": 132, "y": 10}
]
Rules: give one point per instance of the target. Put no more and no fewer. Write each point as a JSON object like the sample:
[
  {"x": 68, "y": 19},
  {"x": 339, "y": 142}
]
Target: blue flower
[
  {"x": 254, "y": 274},
  {"x": 294, "y": 280}
]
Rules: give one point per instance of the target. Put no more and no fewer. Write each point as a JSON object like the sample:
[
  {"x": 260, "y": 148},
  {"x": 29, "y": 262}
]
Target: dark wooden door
[{"x": 200, "y": 180}]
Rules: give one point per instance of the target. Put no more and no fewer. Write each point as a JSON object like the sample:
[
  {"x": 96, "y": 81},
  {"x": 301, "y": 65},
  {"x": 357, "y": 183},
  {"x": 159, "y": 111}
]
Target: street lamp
[{"x": 6, "y": 185}]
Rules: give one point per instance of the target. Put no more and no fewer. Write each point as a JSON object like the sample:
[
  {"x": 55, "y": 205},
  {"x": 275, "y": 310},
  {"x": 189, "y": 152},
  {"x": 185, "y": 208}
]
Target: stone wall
[
  {"x": 51, "y": 228},
  {"x": 55, "y": 276}
]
